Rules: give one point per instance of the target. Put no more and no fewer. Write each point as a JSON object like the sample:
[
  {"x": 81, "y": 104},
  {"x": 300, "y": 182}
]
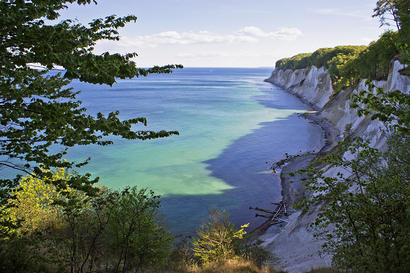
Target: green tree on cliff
[
  {"x": 364, "y": 218},
  {"x": 398, "y": 13},
  {"x": 38, "y": 110}
]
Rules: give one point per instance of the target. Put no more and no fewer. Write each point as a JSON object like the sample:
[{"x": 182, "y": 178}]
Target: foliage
[
  {"x": 364, "y": 219},
  {"x": 119, "y": 231},
  {"x": 320, "y": 58},
  {"x": 364, "y": 192},
  {"x": 20, "y": 255},
  {"x": 30, "y": 221},
  {"x": 397, "y": 11},
  {"x": 374, "y": 62},
  {"x": 133, "y": 233},
  {"x": 254, "y": 253},
  {"x": 114, "y": 231},
  {"x": 38, "y": 110},
  {"x": 33, "y": 206},
  {"x": 250, "y": 258},
  {"x": 298, "y": 61},
  {"x": 231, "y": 266},
  {"x": 215, "y": 240},
  {"x": 331, "y": 58},
  {"x": 348, "y": 64},
  {"x": 392, "y": 108}
]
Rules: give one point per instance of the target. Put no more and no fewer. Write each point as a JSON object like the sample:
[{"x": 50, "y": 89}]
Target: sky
[{"x": 231, "y": 33}]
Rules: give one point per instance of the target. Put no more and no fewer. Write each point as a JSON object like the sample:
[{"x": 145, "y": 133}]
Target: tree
[
  {"x": 397, "y": 11},
  {"x": 113, "y": 231},
  {"x": 33, "y": 205},
  {"x": 392, "y": 108},
  {"x": 34, "y": 215},
  {"x": 215, "y": 240},
  {"x": 38, "y": 111},
  {"x": 116, "y": 231},
  {"x": 134, "y": 234},
  {"x": 364, "y": 218}
]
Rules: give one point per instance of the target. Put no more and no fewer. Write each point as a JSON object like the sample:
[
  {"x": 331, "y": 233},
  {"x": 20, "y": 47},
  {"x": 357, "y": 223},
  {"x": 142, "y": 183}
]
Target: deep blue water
[{"x": 232, "y": 127}]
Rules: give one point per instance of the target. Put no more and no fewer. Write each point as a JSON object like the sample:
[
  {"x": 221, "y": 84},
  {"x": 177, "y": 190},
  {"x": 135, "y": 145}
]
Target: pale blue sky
[{"x": 232, "y": 33}]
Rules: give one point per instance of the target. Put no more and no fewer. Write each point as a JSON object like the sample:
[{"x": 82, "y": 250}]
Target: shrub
[
  {"x": 33, "y": 206},
  {"x": 30, "y": 220},
  {"x": 215, "y": 240},
  {"x": 133, "y": 235},
  {"x": 62, "y": 230}
]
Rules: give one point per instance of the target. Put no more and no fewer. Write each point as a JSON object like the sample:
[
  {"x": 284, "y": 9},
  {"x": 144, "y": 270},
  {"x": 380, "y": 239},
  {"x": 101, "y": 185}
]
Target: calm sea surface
[{"x": 232, "y": 127}]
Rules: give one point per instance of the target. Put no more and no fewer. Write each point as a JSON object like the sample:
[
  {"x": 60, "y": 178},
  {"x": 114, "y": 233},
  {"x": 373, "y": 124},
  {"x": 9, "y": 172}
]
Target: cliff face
[
  {"x": 311, "y": 85},
  {"x": 295, "y": 246},
  {"x": 314, "y": 87}
]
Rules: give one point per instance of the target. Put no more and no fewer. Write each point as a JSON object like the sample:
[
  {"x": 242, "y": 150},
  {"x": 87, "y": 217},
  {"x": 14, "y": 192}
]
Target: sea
[{"x": 232, "y": 126}]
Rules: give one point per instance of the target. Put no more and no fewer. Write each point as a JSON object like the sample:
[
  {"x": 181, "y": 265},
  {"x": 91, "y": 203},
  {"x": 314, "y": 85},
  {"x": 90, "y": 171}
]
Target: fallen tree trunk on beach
[{"x": 274, "y": 217}]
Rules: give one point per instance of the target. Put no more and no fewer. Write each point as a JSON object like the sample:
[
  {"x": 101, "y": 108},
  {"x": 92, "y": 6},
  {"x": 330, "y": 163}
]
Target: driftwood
[
  {"x": 263, "y": 210},
  {"x": 274, "y": 217},
  {"x": 262, "y": 215}
]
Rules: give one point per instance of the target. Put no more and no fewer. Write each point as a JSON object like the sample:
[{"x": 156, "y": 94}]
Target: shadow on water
[
  {"x": 254, "y": 183},
  {"x": 244, "y": 165}
]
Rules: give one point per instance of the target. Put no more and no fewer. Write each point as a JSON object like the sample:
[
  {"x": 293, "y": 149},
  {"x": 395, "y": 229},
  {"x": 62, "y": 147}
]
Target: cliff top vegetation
[{"x": 348, "y": 64}]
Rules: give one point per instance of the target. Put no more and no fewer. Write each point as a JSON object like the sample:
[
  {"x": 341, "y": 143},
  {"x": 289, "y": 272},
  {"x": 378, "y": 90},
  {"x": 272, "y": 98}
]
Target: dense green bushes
[
  {"x": 348, "y": 64},
  {"x": 68, "y": 231},
  {"x": 48, "y": 229}
]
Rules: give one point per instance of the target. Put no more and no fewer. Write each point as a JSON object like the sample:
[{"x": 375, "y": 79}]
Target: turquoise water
[{"x": 232, "y": 125}]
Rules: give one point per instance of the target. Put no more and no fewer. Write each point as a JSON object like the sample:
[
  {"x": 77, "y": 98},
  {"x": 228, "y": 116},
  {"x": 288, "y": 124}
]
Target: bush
[
  {"x": 50, "y": 230},
  {"x": 216, "y": 239},
  {"x": 33, "y": 207},
  {"x": 133, "y": 235},
  {"x": 30, "y": 220},
  {"x": 254, "y": 253}
]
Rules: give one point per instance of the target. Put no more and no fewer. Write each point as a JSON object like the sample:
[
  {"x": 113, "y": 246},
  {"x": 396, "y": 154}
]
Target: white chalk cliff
[{"x": 295, "y": 247}]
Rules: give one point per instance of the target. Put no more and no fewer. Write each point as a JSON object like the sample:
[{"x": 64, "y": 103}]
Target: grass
[
  {"x": 322, "y": 270},
  {"x": 227, "y": 266}
]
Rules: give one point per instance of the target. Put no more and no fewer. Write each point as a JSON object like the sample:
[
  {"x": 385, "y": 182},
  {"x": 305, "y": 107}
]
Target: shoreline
[{"x": 292, "y": 189}]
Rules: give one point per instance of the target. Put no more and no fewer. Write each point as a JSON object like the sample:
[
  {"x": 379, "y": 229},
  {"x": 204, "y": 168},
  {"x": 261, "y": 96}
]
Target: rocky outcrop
[{"x": 294, "y": 245}]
